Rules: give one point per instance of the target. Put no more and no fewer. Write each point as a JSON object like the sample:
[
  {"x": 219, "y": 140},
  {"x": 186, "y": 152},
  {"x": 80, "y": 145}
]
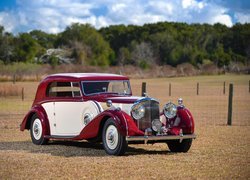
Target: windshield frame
[{"x": 98, "y": 93}]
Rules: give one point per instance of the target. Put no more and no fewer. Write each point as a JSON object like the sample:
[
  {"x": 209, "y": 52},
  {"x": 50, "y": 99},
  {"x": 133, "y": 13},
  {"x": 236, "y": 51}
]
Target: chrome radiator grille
[{"x": 151, "y": 113}]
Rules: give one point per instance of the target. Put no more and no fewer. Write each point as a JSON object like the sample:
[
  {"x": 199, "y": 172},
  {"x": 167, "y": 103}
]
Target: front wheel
[
  {"x": 36, "y": 131},
  {"x": 176, "y": 146},
  {"x": 113, "y": 142}
]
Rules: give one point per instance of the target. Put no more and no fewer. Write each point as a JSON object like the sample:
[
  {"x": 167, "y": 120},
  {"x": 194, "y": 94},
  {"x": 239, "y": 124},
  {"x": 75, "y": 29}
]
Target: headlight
[
  {"x": 170, "y": 110},
  {"x": 156, "y": 125},
  {"x": 138, "y": 111}
]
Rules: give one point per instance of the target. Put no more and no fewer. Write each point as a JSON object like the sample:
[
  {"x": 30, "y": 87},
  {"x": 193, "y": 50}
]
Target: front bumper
[{"x": 159, "y": 138}]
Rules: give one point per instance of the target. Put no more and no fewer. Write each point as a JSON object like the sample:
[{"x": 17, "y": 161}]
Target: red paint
[
  {"x": 124, "y": 122},
  {"x": 186, "y": 124},
  {"x": 40, "y": 112},
  {"x": 73, "y": 77},
  {"x": 187, "y": 121}
]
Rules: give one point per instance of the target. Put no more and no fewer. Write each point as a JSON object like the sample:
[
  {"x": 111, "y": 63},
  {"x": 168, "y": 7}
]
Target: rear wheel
[
  {"x": 113, "y": 142},
  {"x": 36, "y": 131},
  {"x": 176, "y": 146}
]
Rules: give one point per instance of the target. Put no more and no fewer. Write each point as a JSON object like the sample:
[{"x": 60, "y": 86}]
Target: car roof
[
  {"x": 73, "y": 77},
  {"x": 86, "y": 76}
]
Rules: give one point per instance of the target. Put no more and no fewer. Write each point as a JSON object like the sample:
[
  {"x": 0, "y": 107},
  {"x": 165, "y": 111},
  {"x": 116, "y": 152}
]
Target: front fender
[
  {"x": 125, "y": 124},
  {"x": 187, "y": 120},
  {"x": 40, "y": 112}
]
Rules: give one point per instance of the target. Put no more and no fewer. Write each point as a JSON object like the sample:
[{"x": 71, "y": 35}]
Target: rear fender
[{"x": 40, "y": 112}]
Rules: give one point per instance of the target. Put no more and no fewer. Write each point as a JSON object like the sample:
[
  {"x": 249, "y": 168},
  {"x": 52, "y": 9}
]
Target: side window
[{"x": 63, "y": 89}]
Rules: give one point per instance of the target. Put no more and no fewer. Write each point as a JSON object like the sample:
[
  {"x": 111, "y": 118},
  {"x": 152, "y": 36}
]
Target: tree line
[{"x": 163, "y": 43}]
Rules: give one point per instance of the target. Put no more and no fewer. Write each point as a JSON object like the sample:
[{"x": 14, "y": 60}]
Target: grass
[
  {"x": 219, "y": 152},
  {"x": 9, "y": 90},
  {"x": 214, "y": 154}
]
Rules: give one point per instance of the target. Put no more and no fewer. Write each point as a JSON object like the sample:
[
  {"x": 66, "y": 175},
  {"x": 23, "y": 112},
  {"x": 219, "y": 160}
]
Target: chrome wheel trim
[
  {"x": 111, "y": 137},
  {"x": 37, "y": 129}
]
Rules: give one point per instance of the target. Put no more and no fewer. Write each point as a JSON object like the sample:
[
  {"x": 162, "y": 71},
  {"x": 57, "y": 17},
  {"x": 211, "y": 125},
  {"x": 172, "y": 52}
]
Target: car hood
[{"x": 125, "y": 100}]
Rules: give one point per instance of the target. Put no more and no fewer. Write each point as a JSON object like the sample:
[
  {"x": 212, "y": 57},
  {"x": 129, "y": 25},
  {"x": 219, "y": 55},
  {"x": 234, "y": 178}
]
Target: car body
[{"x": 100, "y": 108}]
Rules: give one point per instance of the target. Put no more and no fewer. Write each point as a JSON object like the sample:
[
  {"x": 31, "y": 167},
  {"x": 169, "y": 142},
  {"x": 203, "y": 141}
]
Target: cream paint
[
  {"x": 50, "y": 109},
  {"x": 68, "y": 118},
  {"x": 124, "y": 107}
]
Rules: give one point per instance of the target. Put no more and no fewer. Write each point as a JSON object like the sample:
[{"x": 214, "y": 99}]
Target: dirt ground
[{"x": 220, "y": 151}]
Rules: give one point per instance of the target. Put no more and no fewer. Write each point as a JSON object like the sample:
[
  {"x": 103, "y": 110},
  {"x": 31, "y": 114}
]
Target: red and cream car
[{"x": 100, "y": 107}]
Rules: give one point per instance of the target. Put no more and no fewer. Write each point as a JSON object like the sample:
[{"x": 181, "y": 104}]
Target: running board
[{"x": 59, "y": 137}]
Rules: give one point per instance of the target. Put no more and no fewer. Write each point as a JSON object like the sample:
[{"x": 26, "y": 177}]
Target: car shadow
[
  {"x": 71, "y": 148},
  {"x": 131, "y": 151}
]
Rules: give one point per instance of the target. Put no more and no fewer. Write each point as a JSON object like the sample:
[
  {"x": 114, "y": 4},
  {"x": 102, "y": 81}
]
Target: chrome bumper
[{"x": 159, "y": 138}]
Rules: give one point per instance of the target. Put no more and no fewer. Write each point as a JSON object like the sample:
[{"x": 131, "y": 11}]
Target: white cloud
[
  {"x": 219, "y": 15},
  {"x": 102, "y": 22},
  {"x": 118, "y": 7},
  {"x": 8, "y": 20},
  {"x": 192, "y": 4},
  {"x": 187, "y": 3},
  {"x": 54, "y": 15},
  {"x": 162, "y": 7},
  {"x": 223, "y": 19},
  {"x": 22, "y": 18},
  {"x": 243, "y": 17},
  {"x": 53, "y": 30}
]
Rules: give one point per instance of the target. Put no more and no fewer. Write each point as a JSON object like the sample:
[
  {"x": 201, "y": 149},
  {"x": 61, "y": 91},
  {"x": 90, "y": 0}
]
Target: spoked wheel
[
  {"x": 176, "y": 146},
  {"x": 36, "y": 131},
  {"x": 113, "y": 142}
]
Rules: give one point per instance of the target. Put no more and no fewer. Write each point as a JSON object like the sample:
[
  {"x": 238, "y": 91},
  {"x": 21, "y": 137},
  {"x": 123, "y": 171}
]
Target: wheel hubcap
[
  {"x": 112, "y": 137},
  {"x": 37, "y": 129}
]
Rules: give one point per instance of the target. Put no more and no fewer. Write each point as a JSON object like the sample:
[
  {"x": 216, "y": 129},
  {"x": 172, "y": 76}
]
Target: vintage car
[{"x": 100, "y": 108}]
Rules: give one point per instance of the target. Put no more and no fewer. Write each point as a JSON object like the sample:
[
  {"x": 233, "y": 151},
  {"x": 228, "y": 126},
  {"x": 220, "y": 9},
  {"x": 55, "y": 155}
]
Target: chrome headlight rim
[
  {"x": 170, "y": 110},
  {"x": 138, "y": 111},
  {"x": 156, "y": 125}
]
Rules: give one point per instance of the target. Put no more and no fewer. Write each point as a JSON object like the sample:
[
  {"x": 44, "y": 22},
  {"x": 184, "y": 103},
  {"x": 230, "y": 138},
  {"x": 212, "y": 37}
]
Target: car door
[
  {"x": 72, "y": 114},
  {"x": 68, "y": 117},
  {"x": 72, "y": 117},
  {"x": 68, "y": 107},
  {"x": 68, "y": 114}
]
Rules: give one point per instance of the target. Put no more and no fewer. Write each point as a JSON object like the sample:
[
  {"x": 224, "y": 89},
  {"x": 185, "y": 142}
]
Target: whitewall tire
[
  {"x": 113, "y": 142},
  {"x": 36, "y": 131}
]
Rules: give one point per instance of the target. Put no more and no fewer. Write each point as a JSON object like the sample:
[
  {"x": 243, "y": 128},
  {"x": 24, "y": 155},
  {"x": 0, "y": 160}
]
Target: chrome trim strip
[
  {"x": 98, "y": 106},
  {"x": 160, "y": 137}
]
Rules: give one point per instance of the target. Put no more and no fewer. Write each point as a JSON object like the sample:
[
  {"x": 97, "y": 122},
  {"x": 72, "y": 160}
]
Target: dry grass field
[{"x": 220, "y": 151}]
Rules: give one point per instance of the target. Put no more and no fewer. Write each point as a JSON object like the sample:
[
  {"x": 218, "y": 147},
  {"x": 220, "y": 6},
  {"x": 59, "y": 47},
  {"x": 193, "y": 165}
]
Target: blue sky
[{"x": 53, "y": 16}]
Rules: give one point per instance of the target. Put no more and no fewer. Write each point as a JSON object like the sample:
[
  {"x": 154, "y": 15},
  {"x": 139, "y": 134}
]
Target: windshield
[{"x": 111, "y": 87}]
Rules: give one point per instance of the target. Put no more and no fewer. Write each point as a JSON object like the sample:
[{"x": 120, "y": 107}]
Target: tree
[
  {"x": 87, "y": 44},
  {"x": 124, "y": 56},
  {"x": 163, "y": 44},
  {"x": 6, "y": 46},
  {"x": 142, "y": 55},
  {"x": 158, "y": 43},
  {"x": 26, "y": 48},
  {"x": 45, "y": 40},
  {"x": 219, "y": 57}
]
